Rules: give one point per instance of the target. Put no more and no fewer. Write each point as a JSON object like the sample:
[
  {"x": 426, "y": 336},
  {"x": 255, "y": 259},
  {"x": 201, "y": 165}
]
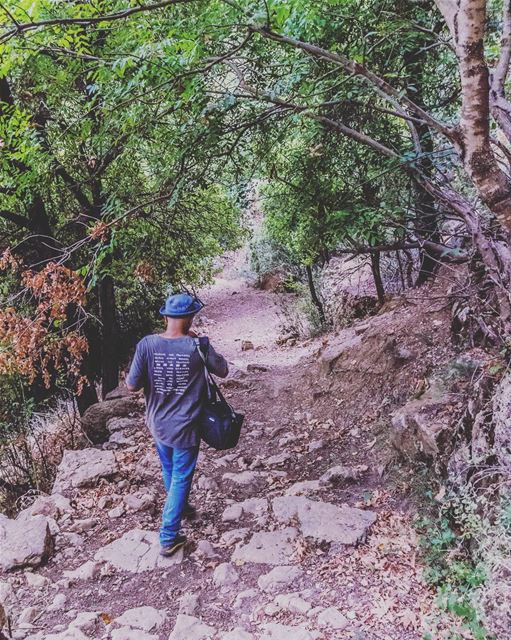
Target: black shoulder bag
[{"x": 220, "y": 425}]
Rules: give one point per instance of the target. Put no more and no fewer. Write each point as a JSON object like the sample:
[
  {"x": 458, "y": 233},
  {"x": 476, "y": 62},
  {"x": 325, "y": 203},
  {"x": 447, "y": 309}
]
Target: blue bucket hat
[{"x": 181, "y": 305}]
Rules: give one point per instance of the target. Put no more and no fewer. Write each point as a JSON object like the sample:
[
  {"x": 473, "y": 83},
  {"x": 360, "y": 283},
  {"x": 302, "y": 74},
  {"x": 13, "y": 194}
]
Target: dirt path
[
  {"x": 301, "y": 534},
  {"x": 236, "y": 312}
]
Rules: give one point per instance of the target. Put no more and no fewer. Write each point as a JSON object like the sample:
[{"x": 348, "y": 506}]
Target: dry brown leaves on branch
[{"x": 36, "y": 337}]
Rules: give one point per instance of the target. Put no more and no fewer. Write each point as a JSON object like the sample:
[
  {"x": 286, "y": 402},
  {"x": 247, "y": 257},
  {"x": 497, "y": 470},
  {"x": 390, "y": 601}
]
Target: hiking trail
[{"x": 304, "y": 530}]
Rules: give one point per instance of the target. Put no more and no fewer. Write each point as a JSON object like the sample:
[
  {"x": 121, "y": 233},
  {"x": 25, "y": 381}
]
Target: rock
[
  {"x": 207, "y": 483},
  {"x": 94, "y": 420},
  {"x": 247, "y": 345},
  {"x": 148, "y": 467},
  {"x": 206, "y": 550},
  {"x": 105, "y": 502},
  {"x": 425, "y": 424},
  {"x": 253, "y": 506},
  {"x": 239, "y": 602},
  {"x": 305, "y": 487},
  {"x": 332, "y": 618},
  {"x": 127, "y": 633},
  {"x": 189, "y": 604},
  {"x": 88, "y": 621},
  {"x": 140, "y": 501},
  {"x": 234, "y": 383},
  {"x": 279, "y": 577},
  {"x": 345, "y": 342},
  {"x": 118, "y": 440},
  {"x": 116, "y": 512},
  {"x": 191, "y": 628},
  {"x": 53, "y": 506},
  {"x": 293, "y": 603},
  {"x": 136, "y": 551},
  {"x": 274, "y": 631},
  {"x": 58, "y": 602},
  {"x": 253, "y": 367},
  {"x": 418, "y": 426},
  {"x": 315, "y": 445},
  {"x": 72, "y": 633},
  {"x": 6, "y": 592},
  {"x": 36, "y": 581},
  {"x": 225, "y": 575},
  {"x": 28, "y": 615},
  {"x": 278, "y": 459},
  {"x": 119, "y": 392},
  {"x": 113, "y": 425},
  {"x": 234, "y": 535},
  {"x": 82, "y": 526},
  {"x": 232, "y": 513},
  {"x": 268, "y": 547},
  {"x": 86, "y": 571},
  {"x": 244, "y": 478},
  {"x": 145, "y": 618},
  {"x": 237, "y": 634},
  {"x": 84, "y": 468},
  {"x": 25, "y": 542},
  {"x": 323, "y": 521},
  {"x": 342, "y": 473}
]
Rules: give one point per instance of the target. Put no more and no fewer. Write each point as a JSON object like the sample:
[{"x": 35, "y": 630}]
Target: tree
[{"x": 99, "y": 171}]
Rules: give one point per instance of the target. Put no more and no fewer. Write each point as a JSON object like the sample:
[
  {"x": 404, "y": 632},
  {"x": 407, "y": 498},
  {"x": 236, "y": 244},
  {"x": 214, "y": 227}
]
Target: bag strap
[{"x": 210, "y": 381}]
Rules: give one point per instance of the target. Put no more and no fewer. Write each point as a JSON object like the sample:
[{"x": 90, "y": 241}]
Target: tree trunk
[
  {"x": 314, "y": 295},
  {"x": 375, "y": 268},
  {"x": 109, "y": 335},
  {"x": 467, "y": 23},
  {"x": 87, "y": 398}
]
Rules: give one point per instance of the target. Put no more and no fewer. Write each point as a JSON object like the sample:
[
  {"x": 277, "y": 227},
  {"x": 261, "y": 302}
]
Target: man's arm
[
  {"x": 217, "y": 364},
  {"x": 137, "y": 375}
]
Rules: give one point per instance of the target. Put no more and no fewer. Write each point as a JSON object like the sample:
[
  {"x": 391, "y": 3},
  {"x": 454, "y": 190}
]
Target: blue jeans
[{"x": 178, "y": 466}]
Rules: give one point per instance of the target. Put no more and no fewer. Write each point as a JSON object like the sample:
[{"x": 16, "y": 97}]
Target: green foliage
[{"x": 453, "y": 538}]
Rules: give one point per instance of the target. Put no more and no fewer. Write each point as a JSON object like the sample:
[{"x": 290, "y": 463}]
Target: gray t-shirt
[{"x": 171, "y": 372}]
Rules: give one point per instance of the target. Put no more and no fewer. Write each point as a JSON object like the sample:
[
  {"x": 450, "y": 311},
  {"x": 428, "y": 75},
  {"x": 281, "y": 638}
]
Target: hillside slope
[{"x": 304, "y": 531}]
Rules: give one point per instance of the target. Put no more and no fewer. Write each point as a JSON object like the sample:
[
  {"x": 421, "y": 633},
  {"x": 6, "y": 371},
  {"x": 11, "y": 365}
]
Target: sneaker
[
  {"x": 189, "y": 512},
  {"x": 171, "y": 548}
]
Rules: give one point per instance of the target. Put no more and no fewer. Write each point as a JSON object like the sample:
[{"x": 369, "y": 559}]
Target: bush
[
  {"x": 31, "y": 443},
  {"x": 467, "y": 548}
]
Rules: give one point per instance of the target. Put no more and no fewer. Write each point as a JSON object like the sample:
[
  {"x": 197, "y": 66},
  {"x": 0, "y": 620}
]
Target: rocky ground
[{"x": 304, "y": 531}]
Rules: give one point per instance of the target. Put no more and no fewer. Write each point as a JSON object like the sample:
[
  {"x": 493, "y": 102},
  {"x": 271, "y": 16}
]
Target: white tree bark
[{"x": 466, "y": 20}]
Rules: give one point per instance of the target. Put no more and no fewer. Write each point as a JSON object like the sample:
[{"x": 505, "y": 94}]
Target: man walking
[{"x": 169, "y": 368}]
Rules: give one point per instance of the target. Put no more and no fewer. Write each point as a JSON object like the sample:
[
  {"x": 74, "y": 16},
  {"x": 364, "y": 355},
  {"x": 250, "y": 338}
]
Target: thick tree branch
[
  {"x": 22, "y": 27},
  {"x": 381, "y": 86},
  {"x": 358, "y": 136}
]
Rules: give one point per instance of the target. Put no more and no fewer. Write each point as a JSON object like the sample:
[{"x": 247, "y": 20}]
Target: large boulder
[
  {"x": 323, "y": 521},
  {"x": 191, "y": 628},
  {"x": 268, "y": 547},
  {"x": 137, "y": 551},
  {"x": 425, "y": 425},
  {"x": 53, "y": 506},
  {"x": 95, "y": 419},
  {"x": 419, "y": 426},
  {"x": 25, "y": 542},
  {"x": 337, "y": 347},
  {"x": 84, "y": 468}
]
